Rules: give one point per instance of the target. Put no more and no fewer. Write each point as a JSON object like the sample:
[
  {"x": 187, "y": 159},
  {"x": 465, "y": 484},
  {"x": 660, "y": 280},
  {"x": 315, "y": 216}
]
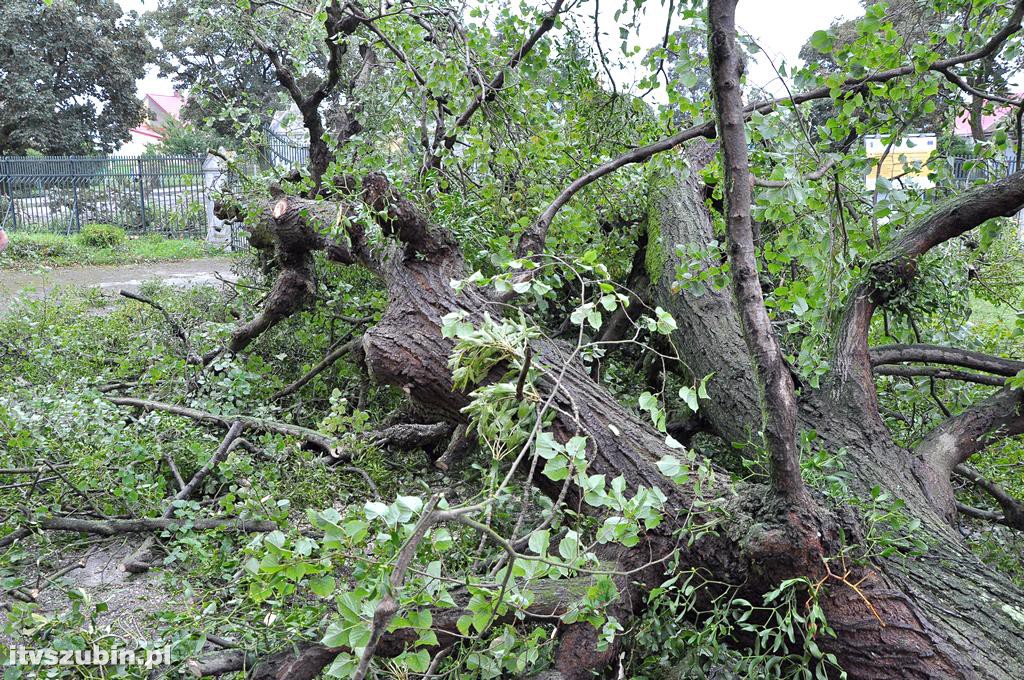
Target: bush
[
  {"x": 31, "y": 247},
  {"x": 102, "y": 236}
]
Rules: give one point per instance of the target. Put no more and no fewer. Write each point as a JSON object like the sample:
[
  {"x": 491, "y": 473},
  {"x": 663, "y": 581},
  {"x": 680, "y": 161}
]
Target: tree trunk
[
  {"x": 946, "y": 613},
  {"x": 940, "y": 615}
]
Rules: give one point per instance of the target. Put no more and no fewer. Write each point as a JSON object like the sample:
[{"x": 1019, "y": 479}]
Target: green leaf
[
  {"x": 322, "y": 586},
  {"x": 689, "y": 395},
  {"x": 569, "y": 547},
  {"x": 411, "y": 503},
  {"x": 821, "y": 41},
  {"x": 670, "y": 466},
  {"x": 556, "y": 469},
  {"x": 375, "y": 509},
  {"x": 441, "y": 539},
  {"x": 539, "y": 541},
  {"x": 666, "y": 324},
  {"x": 418, "y": 662},
  {"x": 343, "y": 666},
  {"x": 276, "y": 539}
]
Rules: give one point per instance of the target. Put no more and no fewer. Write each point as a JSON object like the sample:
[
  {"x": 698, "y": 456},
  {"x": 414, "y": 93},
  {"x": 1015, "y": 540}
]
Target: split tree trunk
[{"x": 945, "y": 614}]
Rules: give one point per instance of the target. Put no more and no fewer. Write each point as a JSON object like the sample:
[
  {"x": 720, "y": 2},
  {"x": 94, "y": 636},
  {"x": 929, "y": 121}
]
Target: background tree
[
  {"x": 916, "y": 24},
  {"x": 205, "y": 50},
  {"x": 68, "y": 78}
]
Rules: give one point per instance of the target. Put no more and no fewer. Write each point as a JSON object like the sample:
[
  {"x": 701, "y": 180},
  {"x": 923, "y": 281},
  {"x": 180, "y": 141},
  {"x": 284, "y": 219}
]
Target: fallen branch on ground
[
  {"x": 176, "y": 329},
  {"x": 326, "y": 363},
  {"x": 315, "y": 439},
  {"x": 139, "y": 561},
  {"x": 220, "y": 663},
  {"x": 116, "y": 527}
]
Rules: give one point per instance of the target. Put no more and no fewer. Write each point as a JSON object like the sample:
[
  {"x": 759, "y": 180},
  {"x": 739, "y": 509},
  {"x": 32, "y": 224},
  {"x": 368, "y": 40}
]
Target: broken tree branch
[
  {"x": 116, "y": 527},
  {"x": 336, "y": 353},
  {"x": 894, "y": 269},
  {"x": 139, "y": 560},
  {"x": 1012, "y": 509},
  {"x": 179, "y": 332},
  {"x": 778, "y": 400},
  {"x": 958, "y": 438},
  {"x": 315, "y": 439},
  {"x": 783, "y": 183},
  {"x": 490, "y": 90},
  {"x": 940, "y": 373},
  {"x": 951, "y": 356}
]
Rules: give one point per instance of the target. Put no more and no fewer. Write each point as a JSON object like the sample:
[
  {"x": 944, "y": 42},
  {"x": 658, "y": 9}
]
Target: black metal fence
[
  {"x": 143, "y": 194},
  {"x": 284, "y": 151},
  {"x": 970, "y": 170},
  {"x": 170, "y": 194}
]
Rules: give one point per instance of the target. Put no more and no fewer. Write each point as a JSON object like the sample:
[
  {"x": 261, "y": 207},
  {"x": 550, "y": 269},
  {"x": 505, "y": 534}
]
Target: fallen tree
[{"x": 917, "y": 604}]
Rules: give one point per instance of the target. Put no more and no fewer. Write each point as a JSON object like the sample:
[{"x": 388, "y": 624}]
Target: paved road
[{"x": 184, "y": 274}]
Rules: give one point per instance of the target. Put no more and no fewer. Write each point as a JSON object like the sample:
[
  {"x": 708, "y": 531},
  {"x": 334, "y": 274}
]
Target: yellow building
[{"x": 906, "y": 160}]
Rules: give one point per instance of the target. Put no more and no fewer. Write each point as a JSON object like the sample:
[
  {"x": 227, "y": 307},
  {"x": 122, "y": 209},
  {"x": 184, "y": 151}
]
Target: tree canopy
[{"x": 68, "y": 76}]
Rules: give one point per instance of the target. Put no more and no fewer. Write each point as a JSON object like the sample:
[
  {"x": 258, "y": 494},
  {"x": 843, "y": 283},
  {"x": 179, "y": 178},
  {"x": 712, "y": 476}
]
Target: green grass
[
  {"x": 985, "y": 312},
  {"x": 29, "y": 250}
]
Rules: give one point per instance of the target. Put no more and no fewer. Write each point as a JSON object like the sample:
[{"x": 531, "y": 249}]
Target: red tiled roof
[
  {"x": 988, "y": 120},
  {"x": 168, "y": 103},
  {"x": 146, "y": 131}
]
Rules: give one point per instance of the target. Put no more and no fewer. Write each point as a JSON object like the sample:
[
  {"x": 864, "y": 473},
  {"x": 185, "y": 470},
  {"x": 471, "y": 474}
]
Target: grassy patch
[
  {"x": 54, "y": 356},
  {"x": 985, "y": 312},
  {"x": 28, "y": 250}
]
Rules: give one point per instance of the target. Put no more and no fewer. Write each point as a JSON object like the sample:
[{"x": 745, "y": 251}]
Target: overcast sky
[{"x": 780, "y": 27}]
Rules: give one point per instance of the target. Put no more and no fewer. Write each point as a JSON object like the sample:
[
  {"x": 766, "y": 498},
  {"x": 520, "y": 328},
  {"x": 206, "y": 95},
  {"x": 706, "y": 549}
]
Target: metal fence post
[
  {"x": 142, "y": 197},
  {"x": 78, "y": 214},
  {"x": 5, "y": 181}
]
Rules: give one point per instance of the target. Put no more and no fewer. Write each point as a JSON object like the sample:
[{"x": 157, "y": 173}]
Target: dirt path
[{"x": 21, "y": 284}]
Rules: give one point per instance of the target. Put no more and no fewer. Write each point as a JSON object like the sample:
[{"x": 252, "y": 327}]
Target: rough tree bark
[
  {"x": 939, "y": 615},
  {"x": 932, "y": 607}
]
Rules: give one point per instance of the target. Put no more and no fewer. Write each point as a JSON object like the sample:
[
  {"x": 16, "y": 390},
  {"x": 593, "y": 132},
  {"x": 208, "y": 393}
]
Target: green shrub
[
  {"x": 102, "y": 236},
  {"x": 34, "y": 247}
]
